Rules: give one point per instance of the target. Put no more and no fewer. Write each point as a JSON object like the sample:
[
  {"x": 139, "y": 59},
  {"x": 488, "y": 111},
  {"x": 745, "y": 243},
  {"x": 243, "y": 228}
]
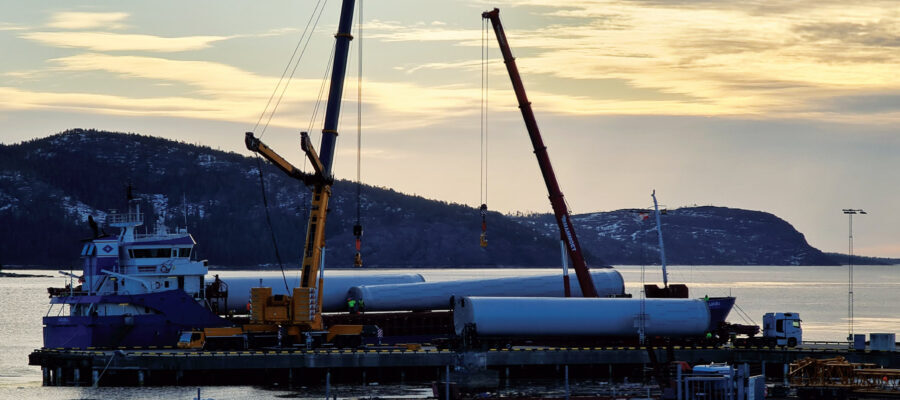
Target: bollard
[
  {"x": 567, "y": 381},
  {"x": 447, "y": 384},
  {"x": 402, "y": 375},
  {"x": 327, "y": 383},
  {"x": 678, "y": 381},
  {"x": 506, "y": 377},
  {"x": 786, "y": 384},
  {"x": 140, "y": 378},
  {"x": 46, "y": 372},
  {"x": 77, "y": 375},
  {"x": 58, "y": 376},
  {"x": 763, "y": 366},
  {"x": 364, "y": 377},
  {"x": 95, "y": 378}
]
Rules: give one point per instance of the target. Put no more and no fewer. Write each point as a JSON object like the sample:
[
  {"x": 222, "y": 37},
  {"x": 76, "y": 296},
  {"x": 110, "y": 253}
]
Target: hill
[
  {"x": 49, "y": 186},
  {"x": 692, "y": 236}
]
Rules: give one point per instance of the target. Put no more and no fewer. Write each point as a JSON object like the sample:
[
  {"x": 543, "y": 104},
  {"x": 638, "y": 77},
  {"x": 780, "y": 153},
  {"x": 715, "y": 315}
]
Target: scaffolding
[{"x": 837, "y": 372}]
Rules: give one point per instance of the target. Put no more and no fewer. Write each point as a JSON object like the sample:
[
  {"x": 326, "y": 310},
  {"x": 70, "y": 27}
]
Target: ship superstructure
[{"x": 137, "y": 289}]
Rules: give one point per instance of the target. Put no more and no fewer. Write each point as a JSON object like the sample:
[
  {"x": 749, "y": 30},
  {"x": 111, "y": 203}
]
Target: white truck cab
[{"x": 784, "y": 328}]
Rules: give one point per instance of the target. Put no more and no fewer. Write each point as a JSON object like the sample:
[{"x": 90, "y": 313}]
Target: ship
[
  {"x": 136, "y": 289},
  {"x": 719, "y": 307}
]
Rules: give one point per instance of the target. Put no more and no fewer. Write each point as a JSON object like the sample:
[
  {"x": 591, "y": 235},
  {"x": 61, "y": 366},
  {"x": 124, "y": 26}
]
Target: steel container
[
  {"x": 883, "y": 341},
  {"x": 436, "y": 295},
  {"x": 335, "y": 287},
  {"x": 531, "y": 316}
]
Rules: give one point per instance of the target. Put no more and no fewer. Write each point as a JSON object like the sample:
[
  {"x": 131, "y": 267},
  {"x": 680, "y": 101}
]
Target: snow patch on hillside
[
  {"x": 160, "y": 203},
  {"x": 81, "y": 211}
]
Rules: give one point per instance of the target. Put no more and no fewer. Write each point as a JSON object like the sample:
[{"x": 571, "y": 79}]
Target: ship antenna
[{"x": 184, "y": 208}]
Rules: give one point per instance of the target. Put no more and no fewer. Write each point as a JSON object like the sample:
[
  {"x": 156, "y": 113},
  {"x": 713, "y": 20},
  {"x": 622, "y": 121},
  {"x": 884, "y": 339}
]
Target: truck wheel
[{"x": 792, "y": 342}]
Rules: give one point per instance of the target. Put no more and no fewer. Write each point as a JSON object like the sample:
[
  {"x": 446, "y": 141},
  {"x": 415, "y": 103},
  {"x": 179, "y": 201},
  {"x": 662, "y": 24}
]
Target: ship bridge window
[
  {"x": 151, "y": 253},
  {"x": 184, "y": 252},
  {"x": 88, "y": 249}
]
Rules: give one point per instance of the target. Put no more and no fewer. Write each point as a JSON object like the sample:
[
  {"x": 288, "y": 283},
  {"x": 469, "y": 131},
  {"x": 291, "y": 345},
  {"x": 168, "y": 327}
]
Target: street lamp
[{"x": 850, "y": 213}]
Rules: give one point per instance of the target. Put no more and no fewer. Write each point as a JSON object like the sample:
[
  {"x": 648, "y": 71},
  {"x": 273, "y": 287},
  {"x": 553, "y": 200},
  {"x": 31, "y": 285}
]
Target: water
[{"x": 819, "y": 294}]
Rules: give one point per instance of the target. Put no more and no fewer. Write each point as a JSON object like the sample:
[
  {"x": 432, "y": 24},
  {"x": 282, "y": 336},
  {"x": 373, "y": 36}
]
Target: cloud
[
  {"x": 880, "y": 33},
  {"x": 107, "y": 41},
  {"x": 725, "y": 58},
  {"x": 5, "y": 26},
  {"x": 219, "y": 91},
  {"x": 87, "y": 20},
  {"x": 392, "y": 31},
  {"x": 866, "y": 103}
]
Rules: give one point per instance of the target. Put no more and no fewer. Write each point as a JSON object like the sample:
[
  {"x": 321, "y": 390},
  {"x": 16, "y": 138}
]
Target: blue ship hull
[
  {"x": 170, "y": 312},
  {"x": 719, "y": 307}
]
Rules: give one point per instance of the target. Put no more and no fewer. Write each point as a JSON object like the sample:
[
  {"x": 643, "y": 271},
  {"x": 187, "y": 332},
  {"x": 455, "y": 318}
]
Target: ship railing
[
  {"x": 126, "y": 218},
  {"x": 158, "y": 235},
  {"x": 66, "y": 291}
]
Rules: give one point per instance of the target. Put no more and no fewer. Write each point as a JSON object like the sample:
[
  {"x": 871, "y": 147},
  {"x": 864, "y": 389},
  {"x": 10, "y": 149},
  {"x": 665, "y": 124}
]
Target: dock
[{"x": 167, "y": 366}]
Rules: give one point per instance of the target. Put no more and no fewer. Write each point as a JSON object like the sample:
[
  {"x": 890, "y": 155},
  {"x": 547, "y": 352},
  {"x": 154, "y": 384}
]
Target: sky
[{"x": 785, "y": 107}]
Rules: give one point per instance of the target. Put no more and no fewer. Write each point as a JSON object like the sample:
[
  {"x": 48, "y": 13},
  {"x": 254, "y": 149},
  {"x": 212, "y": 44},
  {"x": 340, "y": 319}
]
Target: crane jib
[
  {"x": 568, "y": 232},
  {"x": 556, "y": 197}
]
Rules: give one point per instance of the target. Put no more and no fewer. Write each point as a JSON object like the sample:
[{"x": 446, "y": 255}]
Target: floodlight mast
[{"x": 850, "y": 213}]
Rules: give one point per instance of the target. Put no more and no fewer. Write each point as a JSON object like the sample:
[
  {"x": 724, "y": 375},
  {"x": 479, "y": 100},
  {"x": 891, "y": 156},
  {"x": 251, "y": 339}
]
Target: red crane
[{"x": 560, "y": 210}]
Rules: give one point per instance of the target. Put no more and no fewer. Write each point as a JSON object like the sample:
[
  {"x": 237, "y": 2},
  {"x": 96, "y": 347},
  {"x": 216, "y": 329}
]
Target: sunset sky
[{"x": 786, "y": 107}]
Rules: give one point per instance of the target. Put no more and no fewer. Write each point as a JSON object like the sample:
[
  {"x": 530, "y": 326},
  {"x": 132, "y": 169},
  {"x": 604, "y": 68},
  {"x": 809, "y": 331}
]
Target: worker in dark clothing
[{"x": 352, "y": 306}]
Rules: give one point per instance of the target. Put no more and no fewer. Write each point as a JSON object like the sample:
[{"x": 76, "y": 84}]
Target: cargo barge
[{"x": 156, "y": 366}]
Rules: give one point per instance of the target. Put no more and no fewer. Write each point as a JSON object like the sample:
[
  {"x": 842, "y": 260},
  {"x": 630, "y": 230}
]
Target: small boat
[{"x": 136, "y": 289}]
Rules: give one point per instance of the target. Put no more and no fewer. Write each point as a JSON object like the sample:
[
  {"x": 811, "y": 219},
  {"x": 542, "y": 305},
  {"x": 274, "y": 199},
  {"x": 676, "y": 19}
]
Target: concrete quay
[{"x": 138, "y": 367}]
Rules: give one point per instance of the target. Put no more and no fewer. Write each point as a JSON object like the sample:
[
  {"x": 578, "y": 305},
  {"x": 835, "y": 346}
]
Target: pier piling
[
  {"x": 57, "y": 377},
  {"x": 327, "y": 383},
  {"x": 77, "y": 376}
]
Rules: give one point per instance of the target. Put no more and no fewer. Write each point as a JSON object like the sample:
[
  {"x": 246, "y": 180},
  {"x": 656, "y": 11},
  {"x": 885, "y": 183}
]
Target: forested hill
[
  {"x": 49, "y": 186},
  {"x": 692, "y": 236}
]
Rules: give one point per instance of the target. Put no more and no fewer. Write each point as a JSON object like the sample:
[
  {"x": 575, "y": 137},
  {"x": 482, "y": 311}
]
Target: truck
[
  {"x": 784, "y": 328},
  {"x": 213, "y": 339},
  {"x": 779, "y": 329}
]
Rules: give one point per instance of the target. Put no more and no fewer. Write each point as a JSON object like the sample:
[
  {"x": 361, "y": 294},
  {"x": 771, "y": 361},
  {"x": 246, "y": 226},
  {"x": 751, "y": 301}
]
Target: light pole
[{"x": 850, "y": 212}]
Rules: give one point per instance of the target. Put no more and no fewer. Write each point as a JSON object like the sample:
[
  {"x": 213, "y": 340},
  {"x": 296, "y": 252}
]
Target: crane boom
[
  {"x": 560, "y": 210},
  {"x": 306, "y": 308}
]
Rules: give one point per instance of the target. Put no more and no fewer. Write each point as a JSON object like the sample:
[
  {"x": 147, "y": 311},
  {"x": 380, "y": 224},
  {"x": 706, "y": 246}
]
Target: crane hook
[
  {"x": 484, "y": 242},
  {"x": 357, "y": 259}
]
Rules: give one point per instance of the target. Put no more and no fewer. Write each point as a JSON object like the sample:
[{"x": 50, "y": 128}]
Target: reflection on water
[{"x": 819, "y": 294}]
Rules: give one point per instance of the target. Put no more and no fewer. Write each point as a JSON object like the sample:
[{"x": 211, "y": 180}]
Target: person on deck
[{"x": 352, "y": 306}]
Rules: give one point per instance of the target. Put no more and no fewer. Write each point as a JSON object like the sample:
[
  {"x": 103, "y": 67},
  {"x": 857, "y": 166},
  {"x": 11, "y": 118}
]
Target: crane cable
[
  {"x": 296, "y": 64},
  {"x": 357, "y": 229},
  {"x": 295, "y": 60},
  {"x": 484, "y": 132}
]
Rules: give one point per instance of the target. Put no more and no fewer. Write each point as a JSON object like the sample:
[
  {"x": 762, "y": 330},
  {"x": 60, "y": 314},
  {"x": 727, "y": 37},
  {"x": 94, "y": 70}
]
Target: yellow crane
[{"x": 298, "y": 317}]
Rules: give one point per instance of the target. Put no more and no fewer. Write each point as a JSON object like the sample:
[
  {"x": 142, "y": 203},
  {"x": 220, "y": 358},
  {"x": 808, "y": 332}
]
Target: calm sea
[{"x": 819, "y": 294}]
